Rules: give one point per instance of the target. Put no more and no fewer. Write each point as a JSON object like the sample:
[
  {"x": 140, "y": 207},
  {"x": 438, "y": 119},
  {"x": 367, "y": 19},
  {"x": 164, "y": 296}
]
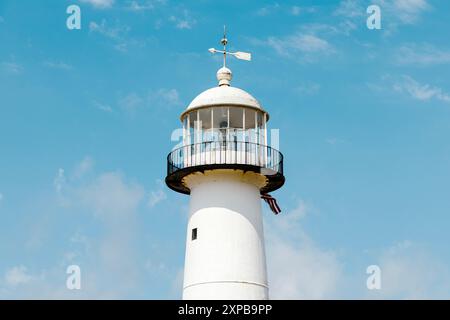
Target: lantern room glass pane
[
  {"x": 192, "y": 118},
  {"x": 249, "y": 119},
  {"x": 205, "y": 118},
  {"x": 185, "y": 129},
  {"x": 260, "y": 120},
  {"x": 220, "y": 123},
  {"x": 236, "y": 117},
  {"x": 220, "y": 117},
  {"x": 205, "y": 124}
]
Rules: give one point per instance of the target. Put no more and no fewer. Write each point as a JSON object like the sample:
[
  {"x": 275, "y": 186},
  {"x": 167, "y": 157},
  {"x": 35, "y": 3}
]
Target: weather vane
[{"x": 240, "y": 55}]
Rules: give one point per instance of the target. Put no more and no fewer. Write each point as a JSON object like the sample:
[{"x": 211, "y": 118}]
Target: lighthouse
[{"x": 226, "y": 167}]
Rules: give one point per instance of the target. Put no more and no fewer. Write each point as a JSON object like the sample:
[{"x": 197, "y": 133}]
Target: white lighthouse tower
[{"x": 225, "y": 165}]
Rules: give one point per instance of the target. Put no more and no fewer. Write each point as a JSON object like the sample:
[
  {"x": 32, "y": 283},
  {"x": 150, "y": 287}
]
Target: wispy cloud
[
  {"x": 164, "y": 97},
  {"x": 396, "y": 13},
  {"x": 158, "y": 195},
  {"x": 408, "y": 271},
  {"x": 277, "y": 8},
  {"x": 12, "y": 67},
  {"x": 334, "y": 141},
  {"x": 131, "y": 102},
  {"x": 112, "y": 200},
  {"x": 102, "y": 106},
  {"x": 17, "y": 276},
  {"x": 117, "y": 32},
  {"x": 183, "y": 20},
  {"x": 83, "y": 167},
  {"x": 144, "y": 5},
  {"x": 423, "y": 92},
  {"x": 408, "y": 11},
  {"x": 308, "y": 88},
  {"x": 298, "y": 268},
  {"x": 110, "y": 196},
  {"x": 155, "y": 99},
  {"x": 58, "y": 65},
  {"x": 350, "y": 9},
  {"x": 296, "y": 10},
  {"x": 100, "y": 4},
  {"x": 301, "y": 47},
  {"x": 422, "y": 55},
  {"x": 266, "y": 10}
]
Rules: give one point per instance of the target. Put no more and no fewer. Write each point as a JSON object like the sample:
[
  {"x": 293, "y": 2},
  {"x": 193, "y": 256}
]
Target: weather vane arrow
[{"x": 239, "y": 54}]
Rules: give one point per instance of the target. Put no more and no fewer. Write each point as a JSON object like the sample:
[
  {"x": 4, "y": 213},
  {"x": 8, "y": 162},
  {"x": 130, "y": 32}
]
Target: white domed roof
[{"x": 224, "y": 95}]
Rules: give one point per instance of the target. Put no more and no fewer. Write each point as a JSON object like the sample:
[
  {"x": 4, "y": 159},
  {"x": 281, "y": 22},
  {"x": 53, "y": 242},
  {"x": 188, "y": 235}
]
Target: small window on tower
[{"x": 194, "y": 233}]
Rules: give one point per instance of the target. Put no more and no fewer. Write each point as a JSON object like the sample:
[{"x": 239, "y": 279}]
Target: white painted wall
[{"x": 227, "y": 260}]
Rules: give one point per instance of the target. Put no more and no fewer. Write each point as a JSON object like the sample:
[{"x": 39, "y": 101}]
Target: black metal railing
[{"x": 226, "y": 153}]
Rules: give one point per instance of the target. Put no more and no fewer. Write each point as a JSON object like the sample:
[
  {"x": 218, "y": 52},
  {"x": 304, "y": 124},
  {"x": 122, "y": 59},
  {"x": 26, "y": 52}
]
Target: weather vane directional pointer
[{"x": 239, "y": 54}]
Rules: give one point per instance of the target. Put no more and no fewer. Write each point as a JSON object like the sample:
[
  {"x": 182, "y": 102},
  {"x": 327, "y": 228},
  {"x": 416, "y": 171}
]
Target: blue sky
[{"x": 86, "y": 117}]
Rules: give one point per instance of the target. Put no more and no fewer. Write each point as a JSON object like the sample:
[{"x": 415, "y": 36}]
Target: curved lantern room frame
[
  {"x": 224, "y": 124},
  {"x": 224, "y": 128}
]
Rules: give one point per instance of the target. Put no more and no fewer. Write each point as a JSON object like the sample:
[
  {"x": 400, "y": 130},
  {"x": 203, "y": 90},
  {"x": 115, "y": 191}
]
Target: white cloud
[
  {"x": 83, "y": 167},
  {"x": 183, "y": 20},
  {"x": 301, "y": 271},
  {"x": 110, "y": 196},
  {"x": 100, "y": 4},
  {"x": 334, "y": 141},
  {"x": 164, "y": 97},
  {"x": 1, "y": 197},
  {"x": 144, "y": 5},
  {"x": 17, "y": 276},
  {"x": 408, "y": 271},
  {"x": 401, "y": 12},
  {"x": 160, "y": 98},
  {"x": 111, "y": 266},
  {"x": 102, "y": 106},
  {"x": 131, "y": 102},
  {"x": 423, "y": 92},
  {"x": 297, "y": 267},
  {"x": 296, "y": 10},
  {"x": 303, "y": 47},
  {"x": 284, "y": 9},
  {"x": 302, "y": 43},
  {"x": 157, "y": 196},
  {"x": 409, "y": 10},
  {"x": 117, "y": 32},
  {"x": 423, "y": 55},
  {"x": 265, "y": 11},
  {"x": 114, "y": 201},
  {"x": 308, "y": 88},
  {"x": 12, "y": 68},
  {"x": 58, "y": 65},
  {"x": 350, "y": 9}
]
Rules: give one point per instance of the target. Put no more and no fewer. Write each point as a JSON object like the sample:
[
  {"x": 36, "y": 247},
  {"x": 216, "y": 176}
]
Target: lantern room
[
  {"x": 224, "y": 114},
  {"x": 225, "y": 128}
]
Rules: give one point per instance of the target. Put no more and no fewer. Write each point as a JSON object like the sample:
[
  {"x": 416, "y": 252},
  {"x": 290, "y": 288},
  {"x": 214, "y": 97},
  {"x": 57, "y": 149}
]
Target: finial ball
[{"x": 224, "y": 76}]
